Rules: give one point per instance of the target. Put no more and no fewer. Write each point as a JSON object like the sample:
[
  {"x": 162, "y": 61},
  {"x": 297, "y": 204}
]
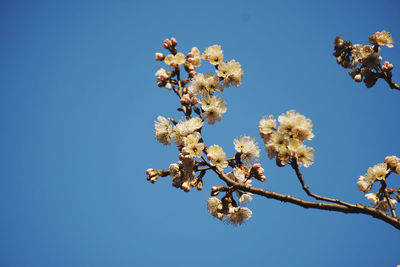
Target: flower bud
[
  {"x": 167, "y": 43},
  {"x": 200, "y": 185},
  {"x": 387, "y": 66},
  {"x": 358, "y": 77},
  {"x": 373, "y": 198},
  {"x": 392, "y": 162},
  {"x": 262, "y": 178},
  {"x": 159, "y": 56},
  {"x": 194, "y": 182},
  {"x": 186, "y": 186},
  {"x": 215, "y": 190},
  {"x": 339, "y": 42},
  {"x": 151, "y": 172},
  {"x": 174, "y": 42},
  {"x": 256, "y": 167},
  {"x": 279, "y": 163}
]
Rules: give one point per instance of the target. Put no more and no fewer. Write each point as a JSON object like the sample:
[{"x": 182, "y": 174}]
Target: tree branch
[
  {"x": 385, "y": 192},
  {"x": 354, "y": 209},
  {"x": 389, "y": 81},
  {"x": 295, "y": 166}
]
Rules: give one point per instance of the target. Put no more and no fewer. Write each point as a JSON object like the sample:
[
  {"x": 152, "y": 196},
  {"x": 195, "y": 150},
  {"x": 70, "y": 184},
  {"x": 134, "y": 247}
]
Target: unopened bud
[
  {"x": 174, "y": 42},
  {"x": 185, "y": 100},
  {"x": 163, "y": 77},
  {"x": 167, "y": 43},
  {"x": 200, "y": 185},
  {"x": 214, "y": 188},
  {"x": 279, "y": 163},
  {"x": 151, "y": 172},
  {"x": 358, "y": 78},
  {"x": 192, "y": 73},
  {"x": 339, "y": 42},
  {"x": 387, "y": 66},
  {"x": 159, "y": 56},
  {"x": 186, "y": 186},
  {"x": 256, "y": 166},
  {"x": 262, "y": 178},
  {"x": 194, "y": 182}
]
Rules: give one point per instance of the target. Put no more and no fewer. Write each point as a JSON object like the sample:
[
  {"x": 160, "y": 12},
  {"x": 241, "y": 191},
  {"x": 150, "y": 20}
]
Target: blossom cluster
[
  {"x": 365, "y": 59},
  {"x": 225, "y": 210},
  {"x": 198, "y": 93},
  {"x": 285, "y": 143},
  {"x": 201, "y": 103},
  {"x": 379, "y": 173}
]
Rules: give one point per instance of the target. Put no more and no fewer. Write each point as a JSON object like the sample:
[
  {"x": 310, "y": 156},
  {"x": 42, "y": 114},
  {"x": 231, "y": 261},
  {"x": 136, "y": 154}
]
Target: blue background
[{"x": 78, "y": 100}]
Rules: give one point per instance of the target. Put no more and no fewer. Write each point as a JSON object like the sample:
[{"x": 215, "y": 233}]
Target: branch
[
  {"x": 389, "y": 80},
  {"x": 307, "y": 190},
  {"x": 385, "y": 192},
  {"x": 355, "y": 209}
]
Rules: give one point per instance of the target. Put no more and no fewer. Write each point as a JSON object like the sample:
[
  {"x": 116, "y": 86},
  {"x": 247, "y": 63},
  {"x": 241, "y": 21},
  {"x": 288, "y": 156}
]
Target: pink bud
[
  {"x": 174, "y": 42},
  {"x": 167, "y": 43},
  {"x": 162, "y": 77},
  {"x": 387, "y": 66},
  {"x": 256, "y": 166},
  {"x": 185, "y": 100}
]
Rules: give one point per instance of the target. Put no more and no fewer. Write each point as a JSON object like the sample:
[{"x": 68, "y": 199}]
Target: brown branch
[
  {"x": 389, "y": 81},
  {"x": 295, "y": 166},
  {"x": 385, "y": 192},
  {"x": 354, "y": 209}
]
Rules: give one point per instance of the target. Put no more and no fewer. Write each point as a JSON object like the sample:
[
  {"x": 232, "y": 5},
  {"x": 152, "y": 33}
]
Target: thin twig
[
  {"x": 385, "y": 192},
  {"x": 295, "y": 166},
  {"x": 389, "y": 81}
]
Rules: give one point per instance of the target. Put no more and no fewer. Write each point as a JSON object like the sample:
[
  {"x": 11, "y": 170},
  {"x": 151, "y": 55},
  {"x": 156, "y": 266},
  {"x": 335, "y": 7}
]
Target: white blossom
[
  {"x": 163, "y": 130},
  {"x": 239, "y": 215},
  {"x": 248, "y": 148}
]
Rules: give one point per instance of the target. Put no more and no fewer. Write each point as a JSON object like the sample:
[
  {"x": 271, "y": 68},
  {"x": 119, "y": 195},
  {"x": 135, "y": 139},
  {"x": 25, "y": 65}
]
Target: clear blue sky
[{"x": 78, "y": 100}]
